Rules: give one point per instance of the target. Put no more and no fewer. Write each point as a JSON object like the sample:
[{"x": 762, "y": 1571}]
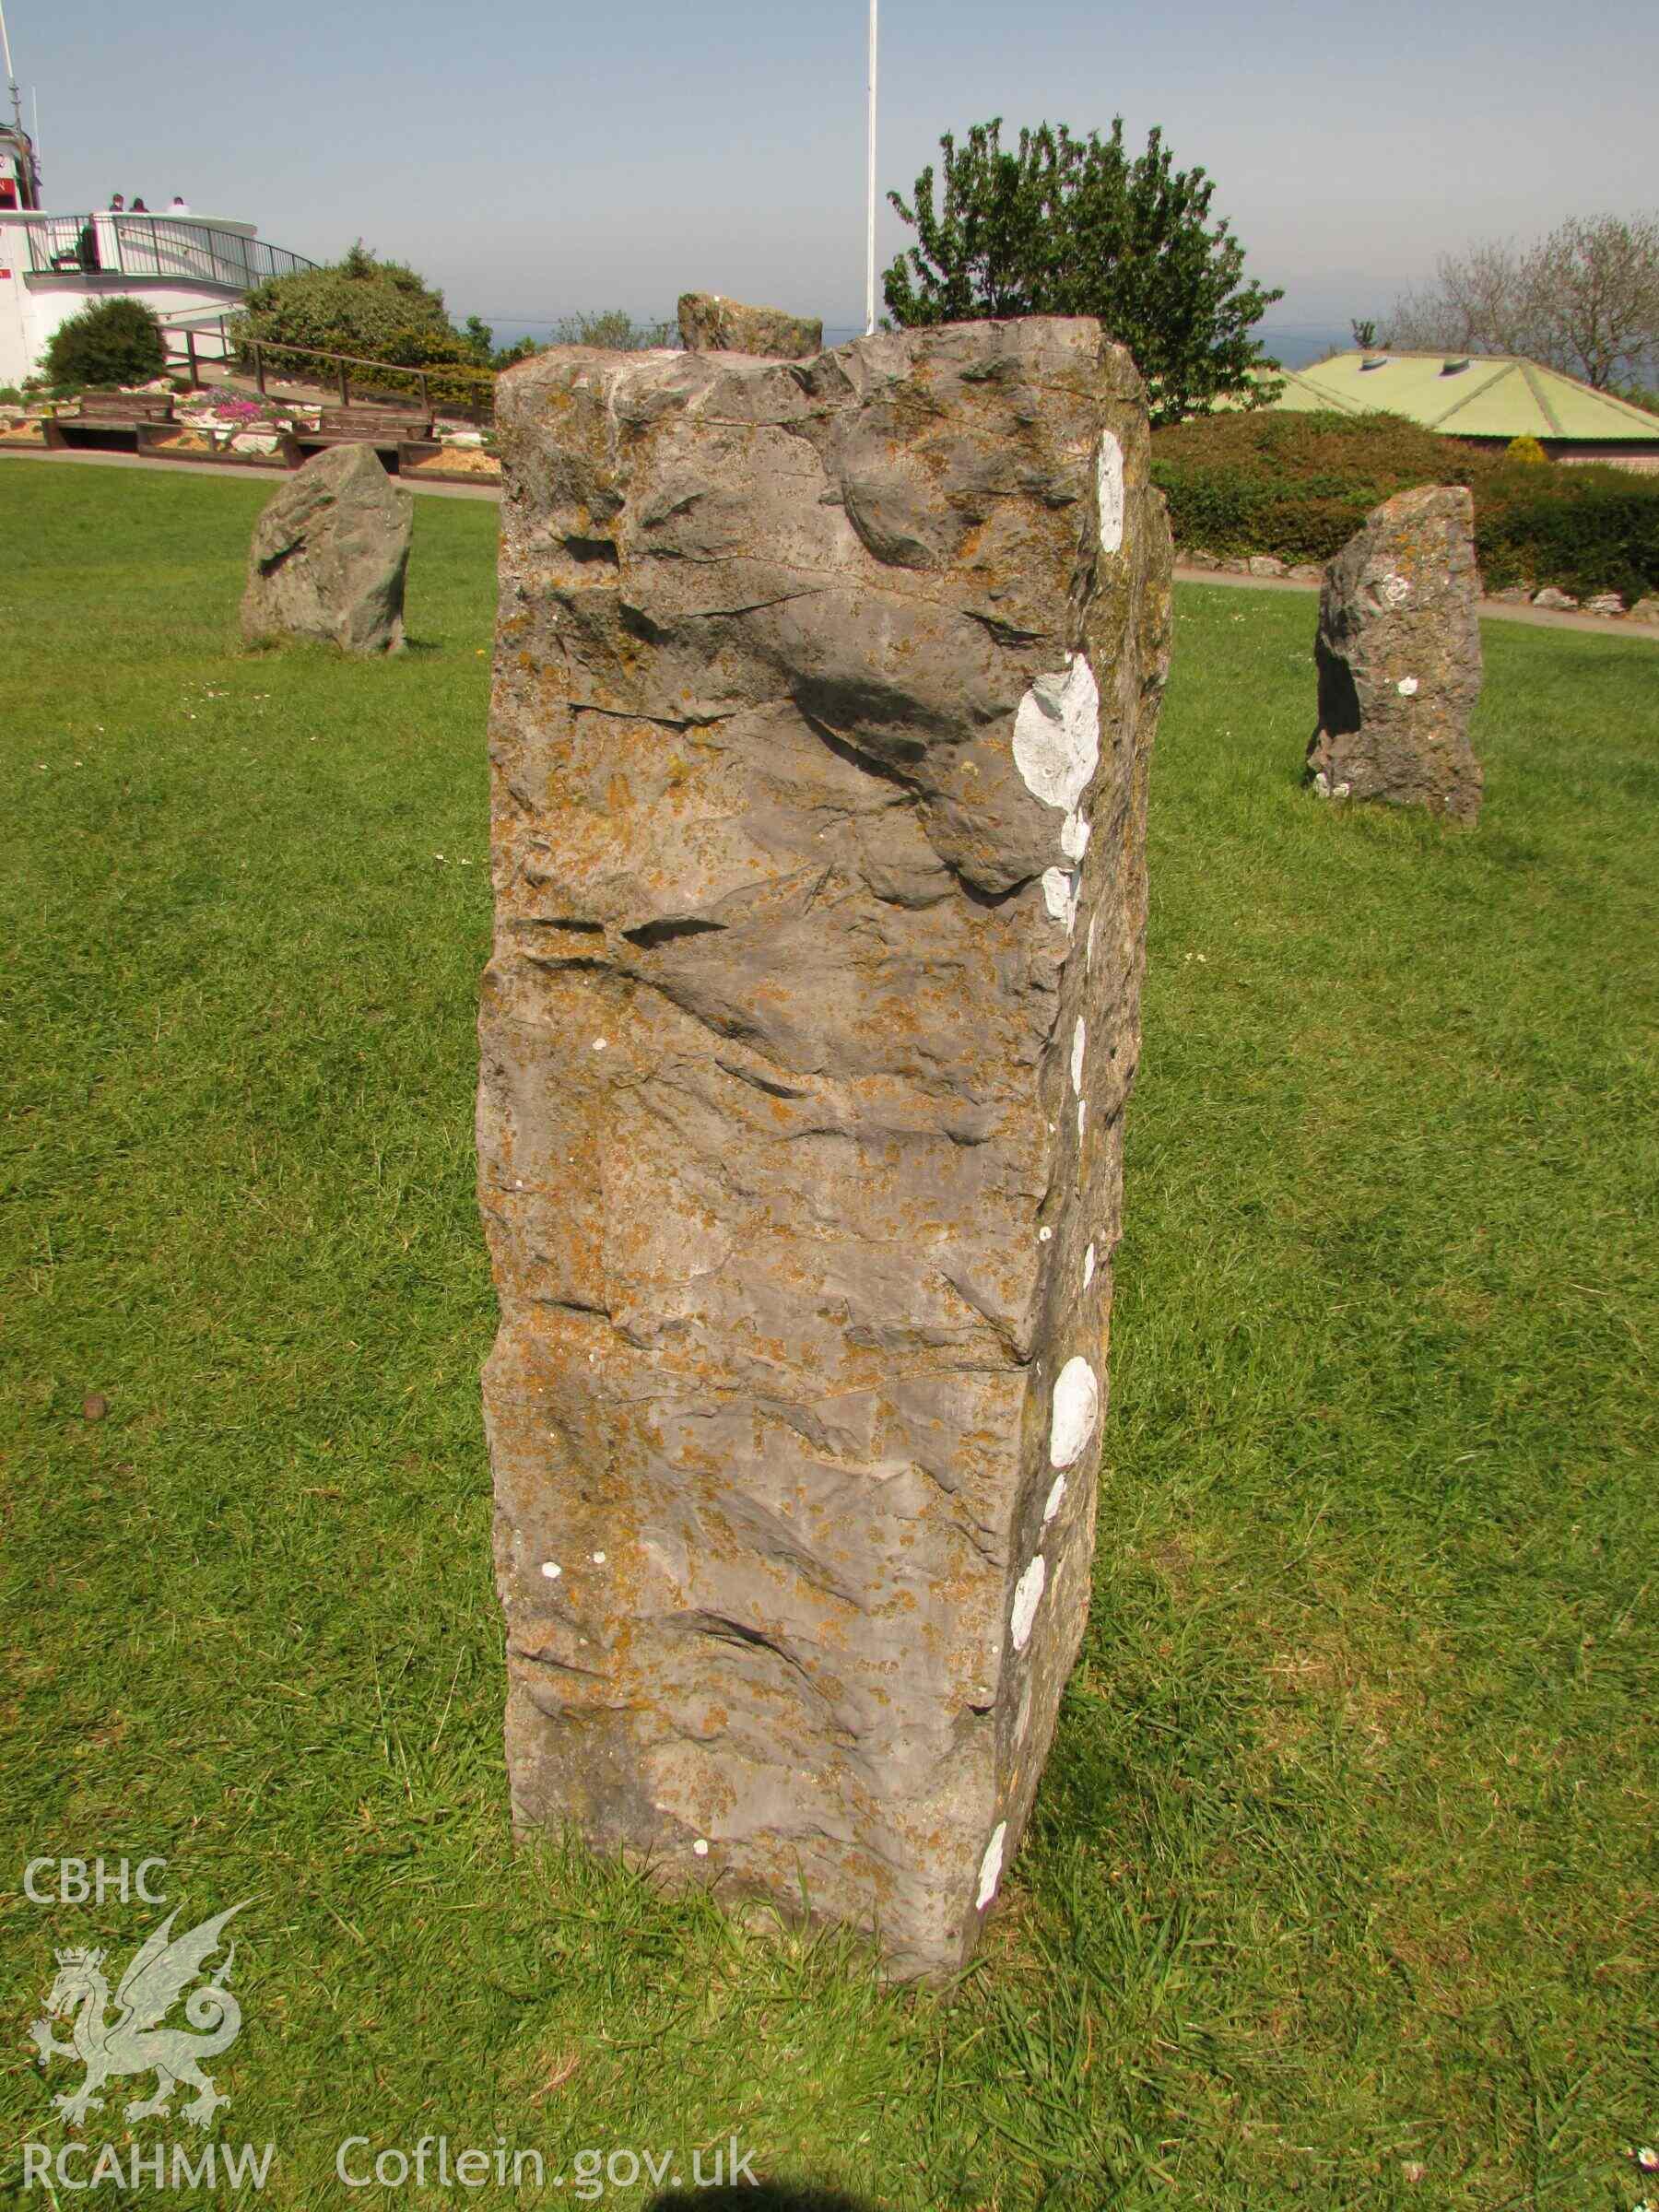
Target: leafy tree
[
  {"x": 1072, "y": 226},
  {"x": 522, "y": 349},
  {"x": 1585, "y": 300},
  {"x": 115, "y": 342}
]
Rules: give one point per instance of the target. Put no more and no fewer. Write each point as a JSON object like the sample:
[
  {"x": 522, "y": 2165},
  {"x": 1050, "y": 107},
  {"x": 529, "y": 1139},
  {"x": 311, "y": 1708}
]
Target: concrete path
[
  {"x": 225, "y": 468},
  {"x": 1491, "y": 610}
]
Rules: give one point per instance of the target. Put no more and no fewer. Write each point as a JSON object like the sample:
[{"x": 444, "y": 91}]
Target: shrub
[
  {"x": 115, "y": 342},
  {"x": 359, "y": 305},
  {"x": 1299, "y": 486},
  {"x": 616, "y": 330},
  {"x": 1526, "y": 450}
]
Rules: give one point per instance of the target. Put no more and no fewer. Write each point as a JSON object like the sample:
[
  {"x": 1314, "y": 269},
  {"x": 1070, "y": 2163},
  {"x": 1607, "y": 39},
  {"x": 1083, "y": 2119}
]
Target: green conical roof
[{"x": 1469, "y": 395}]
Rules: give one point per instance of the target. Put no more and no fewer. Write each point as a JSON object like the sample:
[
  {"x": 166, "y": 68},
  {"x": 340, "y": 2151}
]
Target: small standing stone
[
  {"x": 1398, "y": 649},
  {"x": 330, "y": 555},
  {"x": 1559, "y": 603},
  {"x": 710, "y": 324}
]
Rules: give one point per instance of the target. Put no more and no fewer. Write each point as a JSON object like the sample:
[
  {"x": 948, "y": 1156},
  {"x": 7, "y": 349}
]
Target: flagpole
[
  {"x": 870, "y": 231},
  {"x": 12, "y": 81}
]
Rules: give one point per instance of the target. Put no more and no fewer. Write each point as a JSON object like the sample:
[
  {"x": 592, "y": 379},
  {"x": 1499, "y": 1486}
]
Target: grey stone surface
[
  {"x": 1604, "y": 603},
  {"x": 823, "y": 705},
  {"x": 330, "y": 555},
  {"x": 1562, "y": 602},
  {"x": 710, "y": 323},
  {"x": 1399, "y": 653},
  {"x": 1644, "y": 611}
]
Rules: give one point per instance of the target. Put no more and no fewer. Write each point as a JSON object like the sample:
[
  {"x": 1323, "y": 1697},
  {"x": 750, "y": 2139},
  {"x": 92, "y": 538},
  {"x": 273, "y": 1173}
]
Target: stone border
[{"x": 1606, "y": 607}]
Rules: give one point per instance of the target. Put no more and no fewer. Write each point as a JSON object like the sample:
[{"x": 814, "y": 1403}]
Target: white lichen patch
[
  {"x": 1057, "y": 734},
  {"x": 1395, "y": 589},
  {"x": 1082, "y": 1117},
  {"x": 701, "y": 1847},
  {"x": 991, "y": 1867},
  {"x": 1079, "y": 1041},
  {"x": 552, "y": 1570},
  {"x": 1407, "y": 686},
  {"x": 1088, "y": 947},
  {"x": 1052, "y": 1505},
  {"x": 1074, "y": 837},
  {"x": 1076, "y": 1407},
  {"x": 1109, "y": 476},
  {"x": 1059, "y": 895},
  {"x": 1089, "y": 1266},
  {"x": 1028, "y": 1595}
]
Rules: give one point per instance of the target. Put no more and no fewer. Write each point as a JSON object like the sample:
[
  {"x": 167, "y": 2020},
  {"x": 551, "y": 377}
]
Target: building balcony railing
[{"x": 145, "y": 245}]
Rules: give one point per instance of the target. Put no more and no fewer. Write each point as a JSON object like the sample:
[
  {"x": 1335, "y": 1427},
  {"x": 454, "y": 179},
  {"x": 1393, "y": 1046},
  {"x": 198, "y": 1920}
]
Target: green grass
[{"x": 1343, "y": 1862}]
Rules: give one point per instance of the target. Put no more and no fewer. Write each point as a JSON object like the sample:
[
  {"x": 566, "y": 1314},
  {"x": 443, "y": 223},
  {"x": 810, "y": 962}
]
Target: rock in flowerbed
[{"x": 330, "y": 555}]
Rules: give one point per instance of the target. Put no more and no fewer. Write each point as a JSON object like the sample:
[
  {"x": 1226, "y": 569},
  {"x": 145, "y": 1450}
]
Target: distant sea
[{"x": 1294, "y": 344}]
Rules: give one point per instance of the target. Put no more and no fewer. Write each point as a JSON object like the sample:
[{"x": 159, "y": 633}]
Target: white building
[{"x": 53, "y": 266}]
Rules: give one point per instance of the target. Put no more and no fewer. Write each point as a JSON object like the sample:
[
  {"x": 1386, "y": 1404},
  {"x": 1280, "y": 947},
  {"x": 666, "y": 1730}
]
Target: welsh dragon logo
[{"x": 134, "y": 2042}]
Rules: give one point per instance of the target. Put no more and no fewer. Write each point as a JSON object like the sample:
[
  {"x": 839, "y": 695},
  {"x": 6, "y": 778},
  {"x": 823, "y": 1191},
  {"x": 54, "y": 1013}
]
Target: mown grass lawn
[{"x": 1343, "y": 1867}]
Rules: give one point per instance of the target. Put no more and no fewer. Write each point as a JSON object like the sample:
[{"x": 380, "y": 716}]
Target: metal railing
[{"x": 142, "y": 245}]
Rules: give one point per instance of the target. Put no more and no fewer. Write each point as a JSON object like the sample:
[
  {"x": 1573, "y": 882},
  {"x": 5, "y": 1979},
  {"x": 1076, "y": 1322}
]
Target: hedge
[{"x": 1298, "y": 486}]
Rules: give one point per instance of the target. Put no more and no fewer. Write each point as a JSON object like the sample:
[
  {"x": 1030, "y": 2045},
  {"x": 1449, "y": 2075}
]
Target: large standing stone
[
  {"x": 824, "y": 700},
  {"x": 1398, "y": 650},
  {"x": 330, "y": 554},
  {"x": 710, "y": 324}
]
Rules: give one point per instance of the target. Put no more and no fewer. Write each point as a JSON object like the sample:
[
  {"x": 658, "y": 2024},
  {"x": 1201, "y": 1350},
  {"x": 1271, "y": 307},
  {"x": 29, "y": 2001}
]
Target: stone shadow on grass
[{"x": 762, "y": 2196}]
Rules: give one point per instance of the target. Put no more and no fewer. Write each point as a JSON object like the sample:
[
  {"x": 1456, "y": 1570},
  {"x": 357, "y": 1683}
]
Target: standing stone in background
[
  {"x": 330, "y": 554},
  {"x": 710, "y": 324},
  {"x": 823, "y": 707},
  {"x": 1398, "y": 650}
]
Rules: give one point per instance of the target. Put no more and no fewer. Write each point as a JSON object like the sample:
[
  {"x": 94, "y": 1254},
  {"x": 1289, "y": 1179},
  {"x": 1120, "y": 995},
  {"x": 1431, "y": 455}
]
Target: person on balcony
[
  {"x": 178, "y": 206},
  {"x": 138, "y": 207},
  {"x": 117, "y": 203}
]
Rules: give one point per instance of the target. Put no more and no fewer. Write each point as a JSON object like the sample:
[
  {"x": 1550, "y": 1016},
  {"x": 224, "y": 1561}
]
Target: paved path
[
  {"x": 224, "y": 468},
  {"x": 1491, "y": 610}
]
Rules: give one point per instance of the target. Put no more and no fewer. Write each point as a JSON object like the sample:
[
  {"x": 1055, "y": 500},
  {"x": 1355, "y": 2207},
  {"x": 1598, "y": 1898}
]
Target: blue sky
[{"x": 539, "y": 158}]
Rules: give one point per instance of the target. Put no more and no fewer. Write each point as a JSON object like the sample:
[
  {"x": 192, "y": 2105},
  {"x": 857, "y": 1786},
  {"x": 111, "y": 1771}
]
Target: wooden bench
[
  {"x": 103, "y": 412},
  {"x": 377, "y": 426}
]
